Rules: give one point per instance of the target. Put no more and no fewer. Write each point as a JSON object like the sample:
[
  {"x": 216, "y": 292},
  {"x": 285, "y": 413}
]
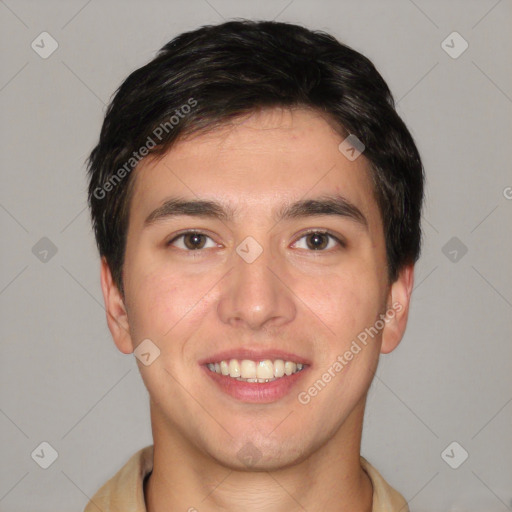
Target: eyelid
[
  {"x": 174, "y": 236},
  {"x": 323, "y": 231},
  {"x": 341, "y": 242}
]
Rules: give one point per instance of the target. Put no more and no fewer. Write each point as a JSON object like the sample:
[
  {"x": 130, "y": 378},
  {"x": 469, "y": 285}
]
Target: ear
[
  {"x": 117, "y": 319},
  {"x": 397, "y": 309}
]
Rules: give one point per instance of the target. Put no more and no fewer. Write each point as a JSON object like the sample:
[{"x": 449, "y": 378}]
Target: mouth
[
  {"x": 263, "y": 371},
  {"x": 253, "y": 379}
]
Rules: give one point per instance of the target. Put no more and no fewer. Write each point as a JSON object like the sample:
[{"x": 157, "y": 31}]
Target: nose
[{"x": 255, "y": 295}]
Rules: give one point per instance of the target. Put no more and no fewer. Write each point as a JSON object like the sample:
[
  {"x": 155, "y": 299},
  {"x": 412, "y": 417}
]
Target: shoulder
[
  {"x": 125, "y": 490},
  {"x": 385, "y": 498}
]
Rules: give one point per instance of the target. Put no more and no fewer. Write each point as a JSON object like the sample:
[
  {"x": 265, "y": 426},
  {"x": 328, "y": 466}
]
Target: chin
[{"x": 260, "y": 452}]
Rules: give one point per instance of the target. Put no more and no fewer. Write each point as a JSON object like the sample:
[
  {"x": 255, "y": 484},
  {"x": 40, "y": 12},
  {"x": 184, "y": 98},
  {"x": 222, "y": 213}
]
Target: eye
[
  {"x": 191, "y": 241},
  {"x": 318, "y": 240}
]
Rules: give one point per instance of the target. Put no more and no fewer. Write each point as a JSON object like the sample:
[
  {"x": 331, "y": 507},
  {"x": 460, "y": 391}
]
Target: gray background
[{"x": 62, "y": 379}]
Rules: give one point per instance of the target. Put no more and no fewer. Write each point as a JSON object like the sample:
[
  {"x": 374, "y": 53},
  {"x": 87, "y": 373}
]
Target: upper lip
[{"x": 254, "y": 355}]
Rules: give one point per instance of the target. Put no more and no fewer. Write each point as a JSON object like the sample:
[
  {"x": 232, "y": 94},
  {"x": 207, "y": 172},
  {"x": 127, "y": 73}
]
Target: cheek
[
  {"x": 346, "y": 303},
  {"x": 168, "y": 306},
  {"x": 156, "y": 303}
]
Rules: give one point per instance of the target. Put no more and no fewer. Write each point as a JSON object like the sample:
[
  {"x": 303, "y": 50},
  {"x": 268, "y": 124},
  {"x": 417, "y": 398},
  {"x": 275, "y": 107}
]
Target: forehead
[{"x": 258, "y": 162}]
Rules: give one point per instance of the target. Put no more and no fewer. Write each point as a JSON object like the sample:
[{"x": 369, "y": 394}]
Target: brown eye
[
  {"x": 319, "y": 241},
  {"x": 194, "y": 241},
  {"x": 191, "y": 241}
]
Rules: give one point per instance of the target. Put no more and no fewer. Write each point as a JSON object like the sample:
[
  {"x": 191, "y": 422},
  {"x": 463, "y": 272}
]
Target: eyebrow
[{"x": 335, "y": 205}]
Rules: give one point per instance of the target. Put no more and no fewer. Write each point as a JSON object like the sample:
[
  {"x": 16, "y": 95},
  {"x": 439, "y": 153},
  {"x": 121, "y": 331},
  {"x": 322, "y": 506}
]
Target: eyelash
[{"x": 341, "y": 243}]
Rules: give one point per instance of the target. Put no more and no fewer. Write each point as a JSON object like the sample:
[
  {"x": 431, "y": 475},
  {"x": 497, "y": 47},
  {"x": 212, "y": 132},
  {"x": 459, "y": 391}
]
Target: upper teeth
[{"x": 258, "y": 370}]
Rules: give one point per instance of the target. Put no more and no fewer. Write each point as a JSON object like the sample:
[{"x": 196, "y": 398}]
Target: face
[{"x": 265, "y": 281}]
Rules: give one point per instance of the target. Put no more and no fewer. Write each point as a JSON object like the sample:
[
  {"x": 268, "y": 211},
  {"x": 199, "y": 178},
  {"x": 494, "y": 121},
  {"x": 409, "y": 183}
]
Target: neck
[{"x": 330, "y": 479}]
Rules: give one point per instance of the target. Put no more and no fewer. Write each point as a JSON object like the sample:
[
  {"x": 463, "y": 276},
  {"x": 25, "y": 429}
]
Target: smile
[
  {"x": 260, "y": 372},
  {"x": 257, "y": 381}
]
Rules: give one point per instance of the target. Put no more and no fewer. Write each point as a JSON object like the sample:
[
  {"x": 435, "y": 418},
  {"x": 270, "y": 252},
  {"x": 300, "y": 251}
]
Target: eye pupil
[
  {"x": 196, "y": 240},
  {"x": 316, "y": 237}
]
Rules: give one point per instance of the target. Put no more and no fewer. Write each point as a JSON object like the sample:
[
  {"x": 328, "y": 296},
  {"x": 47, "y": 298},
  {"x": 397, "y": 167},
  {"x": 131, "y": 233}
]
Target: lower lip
[{"x": 256, "y": 392}]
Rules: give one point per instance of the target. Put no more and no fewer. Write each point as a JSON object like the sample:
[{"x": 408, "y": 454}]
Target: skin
[{"x": 310, "y": 302}]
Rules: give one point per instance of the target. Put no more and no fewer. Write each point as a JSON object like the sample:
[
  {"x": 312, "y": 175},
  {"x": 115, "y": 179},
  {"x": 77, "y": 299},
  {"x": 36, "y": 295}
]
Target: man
[{"x": 256, "y": 202}]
